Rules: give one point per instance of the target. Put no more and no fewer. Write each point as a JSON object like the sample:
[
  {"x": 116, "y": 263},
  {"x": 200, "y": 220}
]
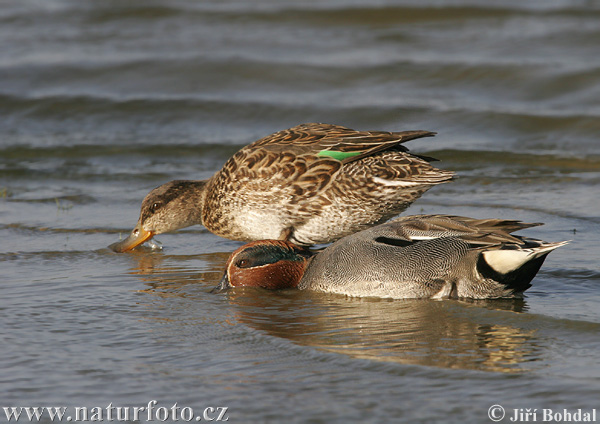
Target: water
[{"x": 102, "y": 101}]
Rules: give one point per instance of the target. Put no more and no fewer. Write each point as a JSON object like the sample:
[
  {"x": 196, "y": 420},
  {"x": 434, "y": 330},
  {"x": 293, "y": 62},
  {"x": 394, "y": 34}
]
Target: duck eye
[
  {"x": 243, "y": 263},
  {"x": 154, "y": 207}
]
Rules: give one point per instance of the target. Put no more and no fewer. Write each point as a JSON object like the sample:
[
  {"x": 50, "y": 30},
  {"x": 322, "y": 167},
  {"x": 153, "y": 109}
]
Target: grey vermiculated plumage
[{"x": 430, "y": 256}]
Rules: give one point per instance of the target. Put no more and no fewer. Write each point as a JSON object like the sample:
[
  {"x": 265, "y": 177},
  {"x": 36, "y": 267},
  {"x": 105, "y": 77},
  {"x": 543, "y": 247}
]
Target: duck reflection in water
[{"x": 483, "y": 335}]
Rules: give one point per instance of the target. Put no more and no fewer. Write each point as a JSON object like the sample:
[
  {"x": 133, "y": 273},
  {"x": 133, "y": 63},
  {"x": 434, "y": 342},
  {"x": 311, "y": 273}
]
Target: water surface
[{"x": 102, "y": 101}]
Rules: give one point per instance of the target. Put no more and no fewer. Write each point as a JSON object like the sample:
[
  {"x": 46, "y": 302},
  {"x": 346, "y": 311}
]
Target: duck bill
[
  {"x": 223, "y": 284},
  {"x": 137, "y": 237}
]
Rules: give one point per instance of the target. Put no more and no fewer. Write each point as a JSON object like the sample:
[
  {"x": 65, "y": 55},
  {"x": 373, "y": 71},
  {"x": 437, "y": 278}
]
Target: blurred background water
[{"x": 100, "y": 101}]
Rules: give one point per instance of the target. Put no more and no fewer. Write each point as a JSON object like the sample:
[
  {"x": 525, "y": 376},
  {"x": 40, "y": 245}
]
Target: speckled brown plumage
[
  {"x": 311, "y": 184},
  {"x": 317, "y": 199}
]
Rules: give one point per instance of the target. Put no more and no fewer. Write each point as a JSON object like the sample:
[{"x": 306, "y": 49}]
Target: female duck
[
  {"x": 310, "y": 184},
  {"x": 422, "y": 256}
]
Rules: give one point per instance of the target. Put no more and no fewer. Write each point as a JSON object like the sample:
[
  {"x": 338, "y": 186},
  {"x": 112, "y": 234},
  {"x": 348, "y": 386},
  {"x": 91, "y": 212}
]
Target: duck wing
[
  {"x": 479, "y": 232},
  {"x": 300, "y": 162},
  {"x": 335, "y": 141}
]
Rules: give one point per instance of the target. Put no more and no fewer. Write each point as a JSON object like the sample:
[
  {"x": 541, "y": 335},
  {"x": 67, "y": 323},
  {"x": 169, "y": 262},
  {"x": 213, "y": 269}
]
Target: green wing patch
[{"x": 338, "y": 155}]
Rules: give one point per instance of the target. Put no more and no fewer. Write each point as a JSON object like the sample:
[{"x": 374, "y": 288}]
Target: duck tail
[{"x": 514, "y": 266}]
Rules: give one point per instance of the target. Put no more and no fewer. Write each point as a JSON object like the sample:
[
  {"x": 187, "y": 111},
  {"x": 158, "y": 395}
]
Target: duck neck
[
  {"x": 290, "y": 276},
  {"x": 191, "y": 199}
]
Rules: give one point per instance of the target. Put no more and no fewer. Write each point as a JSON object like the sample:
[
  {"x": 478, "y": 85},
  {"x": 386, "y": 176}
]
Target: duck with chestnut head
[{"x": 422, "y": 256}]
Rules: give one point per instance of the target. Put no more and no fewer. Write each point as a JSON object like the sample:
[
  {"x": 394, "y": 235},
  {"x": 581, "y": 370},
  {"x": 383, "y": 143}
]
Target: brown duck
[{"x": 310, "y": 184}]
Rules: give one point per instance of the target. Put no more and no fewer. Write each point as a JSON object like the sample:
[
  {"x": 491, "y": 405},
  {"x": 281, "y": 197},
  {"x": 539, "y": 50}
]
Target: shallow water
[{"x": 102, "y": 101}]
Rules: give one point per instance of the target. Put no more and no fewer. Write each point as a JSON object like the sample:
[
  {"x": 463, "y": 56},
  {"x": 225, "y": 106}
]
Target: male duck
[
  {"x": 310, "y": 184},
  {"x": 422, "y": 256}
]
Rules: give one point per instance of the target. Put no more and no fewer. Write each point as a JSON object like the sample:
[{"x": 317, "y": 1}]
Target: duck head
[
  {"x": 169, "y": 207},
  {"x": 270, "y": 264}
]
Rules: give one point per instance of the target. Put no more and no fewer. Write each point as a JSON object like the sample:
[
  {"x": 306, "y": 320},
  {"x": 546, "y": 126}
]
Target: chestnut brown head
[{"x": 270, "y": 264}]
